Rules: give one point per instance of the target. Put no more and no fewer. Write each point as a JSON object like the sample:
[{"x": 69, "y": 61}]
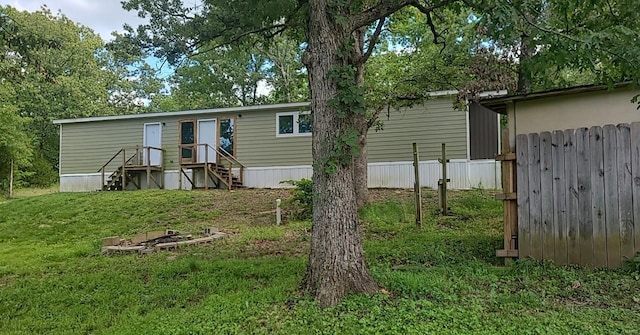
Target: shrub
[{"x": 302, "y": 199}]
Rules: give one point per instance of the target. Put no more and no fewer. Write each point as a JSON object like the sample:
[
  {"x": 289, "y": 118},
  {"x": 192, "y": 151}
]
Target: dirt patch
[{"x": 240, "y": 207}]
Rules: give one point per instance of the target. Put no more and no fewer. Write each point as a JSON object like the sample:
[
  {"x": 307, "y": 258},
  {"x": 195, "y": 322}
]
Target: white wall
[
  {"x": 464, "y": 174},
  {"x": 574, "y": 111}
]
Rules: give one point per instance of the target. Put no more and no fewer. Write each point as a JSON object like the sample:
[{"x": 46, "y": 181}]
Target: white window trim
[{"x": 296, "y": 129}]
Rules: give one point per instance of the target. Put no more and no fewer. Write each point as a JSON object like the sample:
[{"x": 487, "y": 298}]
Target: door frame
[{"x": 144, "y": 136}]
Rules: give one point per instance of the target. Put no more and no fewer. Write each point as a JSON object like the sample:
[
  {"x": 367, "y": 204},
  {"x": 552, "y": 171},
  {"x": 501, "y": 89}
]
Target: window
[
  {"x": 293, "y": 124},
  {"x": 187, "y": 139},
  {"x": 227, "y": 127}
]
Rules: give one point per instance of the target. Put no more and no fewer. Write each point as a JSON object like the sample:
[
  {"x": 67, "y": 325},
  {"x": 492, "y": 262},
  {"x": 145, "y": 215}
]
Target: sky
[{"x": 103, "y": 16}]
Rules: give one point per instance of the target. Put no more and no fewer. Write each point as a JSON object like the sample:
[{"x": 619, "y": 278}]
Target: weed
[
  {"x": 632, "y": 266},
  {"x": 302, "y": 199}
]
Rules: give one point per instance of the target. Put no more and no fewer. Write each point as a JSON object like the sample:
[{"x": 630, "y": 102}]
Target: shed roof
[{"x": 497, "y": 104}]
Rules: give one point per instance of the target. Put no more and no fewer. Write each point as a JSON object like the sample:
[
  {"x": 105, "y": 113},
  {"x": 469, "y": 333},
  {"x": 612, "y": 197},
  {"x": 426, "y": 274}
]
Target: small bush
[{"x": 302, "y": 199}]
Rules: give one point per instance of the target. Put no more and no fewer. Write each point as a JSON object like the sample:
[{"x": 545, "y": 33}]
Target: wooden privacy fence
[{"x": 579, "y": 195}]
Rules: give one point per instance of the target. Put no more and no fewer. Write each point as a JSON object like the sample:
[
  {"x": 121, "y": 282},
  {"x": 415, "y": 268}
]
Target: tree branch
[
  {"x": 377, "y": 12},
  {"x": 428, "y": 9},
  {"x": 373, "y": 40},
  {"x": 436, "y": 34},
  {"x": 566, "y": 36},
  {"x": 270, "y": 31}
]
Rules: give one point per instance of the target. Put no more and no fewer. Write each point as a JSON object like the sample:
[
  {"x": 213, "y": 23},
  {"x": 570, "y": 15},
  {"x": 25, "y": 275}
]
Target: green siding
[
  {"x": 87, "y": 146},
  {"x": 259, "y": 146},
  {"x": 429, "y": 125}
]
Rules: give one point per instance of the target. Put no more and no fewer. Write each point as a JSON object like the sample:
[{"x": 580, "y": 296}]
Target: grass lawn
[{"x": 440, "y": 279}]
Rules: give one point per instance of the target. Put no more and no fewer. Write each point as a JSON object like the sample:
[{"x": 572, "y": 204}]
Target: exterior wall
[
  {"x": 464, "y": 174},
  {"x": 429, "y": 125},
  {"x": 483, "y": 132},
  {"x": 86, "y": 146},
  {"x": 574, "y": 111}
]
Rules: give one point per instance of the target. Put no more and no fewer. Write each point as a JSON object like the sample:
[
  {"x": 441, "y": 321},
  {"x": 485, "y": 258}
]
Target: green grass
[{"x": 442, "y": 278}]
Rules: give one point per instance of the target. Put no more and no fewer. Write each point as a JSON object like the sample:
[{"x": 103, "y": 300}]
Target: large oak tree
[{"x": 335, "y": 33}]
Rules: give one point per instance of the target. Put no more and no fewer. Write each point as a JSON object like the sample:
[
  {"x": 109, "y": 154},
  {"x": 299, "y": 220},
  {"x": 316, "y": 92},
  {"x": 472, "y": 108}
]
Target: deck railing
[
  {"x": 141, "y": 157},
  {"x": 220, "y": 154}
]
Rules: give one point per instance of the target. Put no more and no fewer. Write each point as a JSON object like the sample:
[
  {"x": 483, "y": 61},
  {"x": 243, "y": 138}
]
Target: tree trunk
[
  {"x": 361, "y": 161},
  {"x": 336, "y": 262},
  {"x": 524, "y": 74},
  {"x": 11, "y": 173},
  {"x": 361, "y": 172}
]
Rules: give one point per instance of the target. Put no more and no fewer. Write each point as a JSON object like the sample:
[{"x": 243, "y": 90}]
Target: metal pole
[
  {"x": 442, "y": 183},
  {"x": 278, "y": 212},
  {"x": 416, "y": 185}
]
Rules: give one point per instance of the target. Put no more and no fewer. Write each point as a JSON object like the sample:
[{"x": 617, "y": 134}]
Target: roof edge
[
  {"x": 187, "y": 112},
  {"x": 497, "y": 101}
]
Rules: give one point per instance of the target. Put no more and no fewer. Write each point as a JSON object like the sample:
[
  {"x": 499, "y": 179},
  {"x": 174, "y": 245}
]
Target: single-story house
[
  {"x": 576, "y": 157},
  {"x": 264, "y": 145}
]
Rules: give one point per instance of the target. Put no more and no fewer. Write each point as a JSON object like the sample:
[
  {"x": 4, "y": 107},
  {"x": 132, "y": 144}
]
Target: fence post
[
  {"x": 509, "y": 198},
  {"x": 416, "y": 185},
  {"x": 278, "y": 212},
  {"x": 442, "y": 183},
  {"x": 124, "y": 172}
]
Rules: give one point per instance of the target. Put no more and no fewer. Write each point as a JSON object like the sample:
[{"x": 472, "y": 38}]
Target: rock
[{"x": 110, "y": 241}]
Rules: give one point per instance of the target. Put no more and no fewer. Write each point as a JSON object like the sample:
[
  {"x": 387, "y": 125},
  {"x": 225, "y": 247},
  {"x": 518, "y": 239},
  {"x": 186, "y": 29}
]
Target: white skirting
[{"x": 464, "y": 174}]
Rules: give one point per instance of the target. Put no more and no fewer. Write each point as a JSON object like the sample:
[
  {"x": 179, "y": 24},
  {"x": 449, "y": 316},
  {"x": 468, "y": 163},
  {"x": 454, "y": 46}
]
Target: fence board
[
  {"x": 635, "y": 170},
  {"x": 535, "y": 200},
  {"x": 612, "y": 216},
  {"x": 559, "y": 198},
  {"x": 522, "y": 166},
  {"x": 585, "y": 222},
  {"x": 625, "y": 192},
  {"x": 579, "y": 195},
  {"x": 546, "y": 192},
  {"x": 571, "y": 196},
  {"x": 597, "y": 198}
]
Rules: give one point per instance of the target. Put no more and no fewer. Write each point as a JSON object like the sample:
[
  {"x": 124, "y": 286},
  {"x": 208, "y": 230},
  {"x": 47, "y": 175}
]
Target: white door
[
  {"x": 152, "y": 138},
  {"x": 206, "y": 135}
]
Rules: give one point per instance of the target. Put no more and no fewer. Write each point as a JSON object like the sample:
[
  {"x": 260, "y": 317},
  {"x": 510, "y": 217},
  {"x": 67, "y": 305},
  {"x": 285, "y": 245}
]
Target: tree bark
[
  {"x": 524, "y": 74},
  {"x": 361, "y": 166},
  {"x": 361, "y": 171},
  {"x": 11, "y": 173},
  {"x": 336, "y": 262}
]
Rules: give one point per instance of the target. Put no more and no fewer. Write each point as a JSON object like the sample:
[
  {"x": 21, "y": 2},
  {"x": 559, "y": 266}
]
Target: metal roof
[
  {"x": 501, "y": 101},
  {"x": 287, "y": 106}
]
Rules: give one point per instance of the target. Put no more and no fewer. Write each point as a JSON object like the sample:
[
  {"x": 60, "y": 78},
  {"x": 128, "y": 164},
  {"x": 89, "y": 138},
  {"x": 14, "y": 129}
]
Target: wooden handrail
[
  {"x": 220, "y": 154},
  {"x": 230, "y": 158},
  {"x": 126, "y": 161},
  {"x": 112, "y": 158},
  {"x": 226, "y": 155},
  {"x": 129, "y": 148}
]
